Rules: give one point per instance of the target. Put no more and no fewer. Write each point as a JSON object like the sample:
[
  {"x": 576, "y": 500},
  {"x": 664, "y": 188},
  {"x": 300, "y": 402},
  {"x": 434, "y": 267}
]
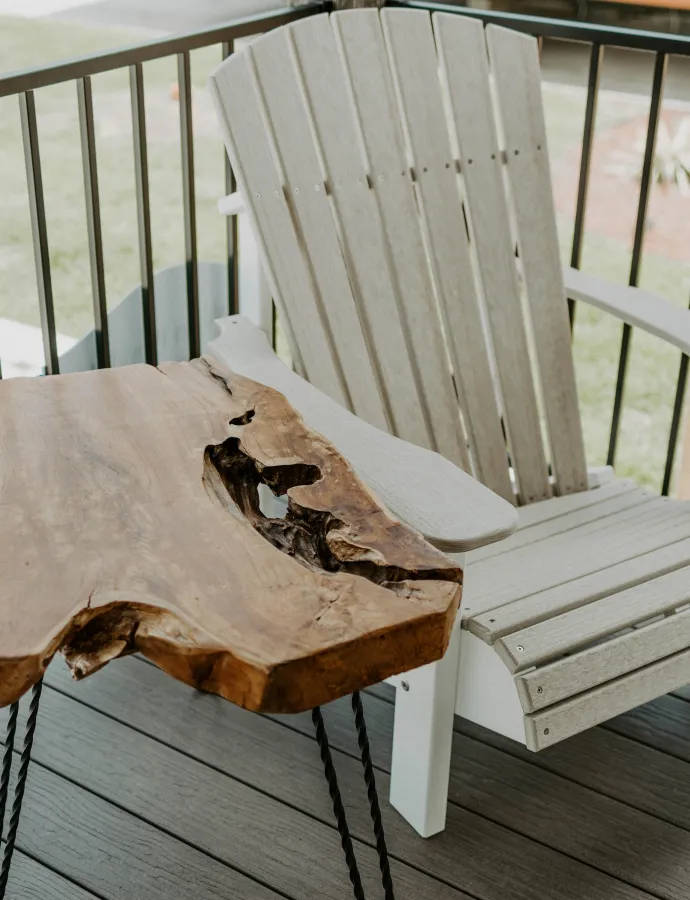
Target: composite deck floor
[{"x": 142, "y": 788}]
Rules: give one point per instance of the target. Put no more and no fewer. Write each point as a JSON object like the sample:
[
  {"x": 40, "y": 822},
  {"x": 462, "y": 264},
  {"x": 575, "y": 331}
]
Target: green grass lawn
[{"x": 653, "y": 367}]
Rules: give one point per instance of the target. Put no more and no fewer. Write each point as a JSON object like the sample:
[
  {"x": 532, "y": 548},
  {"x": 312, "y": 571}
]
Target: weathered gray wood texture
[{"x": 142, "y": 787}]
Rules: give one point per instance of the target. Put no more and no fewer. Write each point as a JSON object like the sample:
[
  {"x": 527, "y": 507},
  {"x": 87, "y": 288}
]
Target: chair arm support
[
  {"x": 450, "y": 508},
  {"x": 633, "y": 305},
  {"x": 231, "y": 205}
]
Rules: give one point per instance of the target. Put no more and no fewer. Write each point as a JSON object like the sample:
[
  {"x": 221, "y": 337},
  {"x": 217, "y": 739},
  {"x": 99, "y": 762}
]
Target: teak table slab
[{"x": 130, "y": 521}]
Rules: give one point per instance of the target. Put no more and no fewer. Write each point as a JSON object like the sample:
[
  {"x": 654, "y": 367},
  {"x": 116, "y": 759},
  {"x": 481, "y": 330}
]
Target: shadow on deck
[{"x": 143, "y": 788}]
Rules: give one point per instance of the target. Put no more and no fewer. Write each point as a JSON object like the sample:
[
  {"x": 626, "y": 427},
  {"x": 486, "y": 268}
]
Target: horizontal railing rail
[
  {"x": 600, "y": 37},
  {"x": 566, "y": 29}
]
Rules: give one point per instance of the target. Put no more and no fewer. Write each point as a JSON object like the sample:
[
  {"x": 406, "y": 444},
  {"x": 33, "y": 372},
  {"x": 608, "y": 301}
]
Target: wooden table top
[{"x": 130, "y": 522}]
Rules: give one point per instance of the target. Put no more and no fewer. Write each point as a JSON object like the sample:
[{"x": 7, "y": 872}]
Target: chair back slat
[
  {"x": 414, "y": 63},
  {"x": 244, "y": 132},
  {"x": 515, "y": 66},
  {"x": 361, "y": 42},
  {"x": 465, "y": 70},
  {"x": 369, "y": 147},
  {"x": 358, "y": 220},
  {"x": 288, "y": 120}
]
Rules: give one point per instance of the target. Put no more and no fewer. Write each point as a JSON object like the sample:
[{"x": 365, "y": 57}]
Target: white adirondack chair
[{"x": 390, "y": 163}]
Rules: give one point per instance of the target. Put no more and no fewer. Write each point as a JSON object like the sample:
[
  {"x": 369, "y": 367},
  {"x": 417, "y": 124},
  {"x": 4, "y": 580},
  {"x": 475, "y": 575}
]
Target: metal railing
[
  {"x": 599, "y": 37},
  {"x": 80, "y": 71},
  {"x": 23, "y": 84}
]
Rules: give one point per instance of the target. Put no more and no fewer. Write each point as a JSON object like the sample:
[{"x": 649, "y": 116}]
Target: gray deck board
[
  {"x": 29, "y": 880},
  {"x": 142, "y": 787}
]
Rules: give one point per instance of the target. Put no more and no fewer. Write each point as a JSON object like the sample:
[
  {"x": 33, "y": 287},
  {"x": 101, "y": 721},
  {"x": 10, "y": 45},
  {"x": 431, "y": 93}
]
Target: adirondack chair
[{"x": 390, "y": 164}]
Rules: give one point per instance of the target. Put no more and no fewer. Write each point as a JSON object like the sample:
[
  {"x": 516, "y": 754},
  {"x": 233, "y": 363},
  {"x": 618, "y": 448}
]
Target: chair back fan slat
[
  {"x": 368, "y": 148},
  {"x": 465, "y": 72},
  {"x": 517, "y": 78},
  {"x": 364, "y": 53},
  {"x": 360, "y": 228},
  {"x": 414, "y": 64},
  {"x": 246, "y": 140}
]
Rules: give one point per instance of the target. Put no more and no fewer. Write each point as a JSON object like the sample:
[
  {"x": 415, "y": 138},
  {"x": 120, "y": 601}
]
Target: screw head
[
  {"x": 258, "y": 196},
  {"x": 540, "y": 690},
  {"x": 519, "y": 648},
  {"x": 405, "y": 685},
  {"x": 297, "y": 190}
]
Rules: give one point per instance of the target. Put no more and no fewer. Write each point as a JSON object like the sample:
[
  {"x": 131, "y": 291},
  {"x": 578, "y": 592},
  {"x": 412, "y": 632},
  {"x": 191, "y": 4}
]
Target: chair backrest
[{"x": 391, "y": 163}]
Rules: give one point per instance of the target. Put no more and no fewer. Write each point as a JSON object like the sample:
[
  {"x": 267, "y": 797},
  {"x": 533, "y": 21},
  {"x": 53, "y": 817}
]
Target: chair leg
[
  {"x": 25, "y": 759},
  {"x": 422, "y": 739}
]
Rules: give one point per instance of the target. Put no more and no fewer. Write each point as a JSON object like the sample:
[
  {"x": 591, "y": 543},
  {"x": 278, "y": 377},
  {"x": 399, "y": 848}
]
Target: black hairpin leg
[
  {"x": 339, "y": 809},
  {"x": 381, "y": 849},
  {"x": 24, "y": 761}
]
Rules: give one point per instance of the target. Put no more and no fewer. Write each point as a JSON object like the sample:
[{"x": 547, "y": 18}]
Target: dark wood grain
[
  {"x": 496, "y": 862},
  {"x": 131, "y": 521}
]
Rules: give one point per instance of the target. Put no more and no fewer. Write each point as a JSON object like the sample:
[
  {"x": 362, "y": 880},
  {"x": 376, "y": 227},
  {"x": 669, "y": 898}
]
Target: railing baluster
[
  {"x": 231, "y": 222},
  {"x": 93, "y": 220},
  {"x": 595, "y": 59},
  {"x": 39, "y": 230},
  {"x": 141, "y": 174},
  {"x": 660, "y": 66},
  {"x": 675, "y": 424},
  {"x": 189, "y": 201}
]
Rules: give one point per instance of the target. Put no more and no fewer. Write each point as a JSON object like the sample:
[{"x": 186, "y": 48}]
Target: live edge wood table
[{"x": 130, "y": 521}]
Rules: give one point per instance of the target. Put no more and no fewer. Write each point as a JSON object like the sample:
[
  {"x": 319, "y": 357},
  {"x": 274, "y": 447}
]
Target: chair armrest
[
  {"x": 231, "y": 205},
  {"x": 450, "y": 508},
  {"x": 633, "y": 305}
]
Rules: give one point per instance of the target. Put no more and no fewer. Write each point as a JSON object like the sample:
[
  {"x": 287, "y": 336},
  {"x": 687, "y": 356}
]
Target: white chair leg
[{"x": 422, "y": 739}]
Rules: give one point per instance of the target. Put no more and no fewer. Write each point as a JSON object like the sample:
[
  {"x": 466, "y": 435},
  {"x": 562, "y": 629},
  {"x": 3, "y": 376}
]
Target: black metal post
[
  {"x": 595, "y": 59},
  {"x": 141, "y": 174},
  {"x": 93, "y": 220},
  {"x": 675, "y": 424},
  {"x": 189, "y": 202},
  {"x": 39, "y": 230},
  {"x": 660, "y": 67},
  {"x": 231, "y": 223}
]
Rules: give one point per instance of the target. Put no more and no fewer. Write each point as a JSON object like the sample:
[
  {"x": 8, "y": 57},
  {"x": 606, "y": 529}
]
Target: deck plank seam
[{"x": 326, "y": 823}]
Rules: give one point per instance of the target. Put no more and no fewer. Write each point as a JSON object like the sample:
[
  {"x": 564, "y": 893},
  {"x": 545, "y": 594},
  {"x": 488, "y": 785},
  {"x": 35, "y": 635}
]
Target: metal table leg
[
  {"x": 25, "y": 759},
  {"x": 339, "y": 809}
]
